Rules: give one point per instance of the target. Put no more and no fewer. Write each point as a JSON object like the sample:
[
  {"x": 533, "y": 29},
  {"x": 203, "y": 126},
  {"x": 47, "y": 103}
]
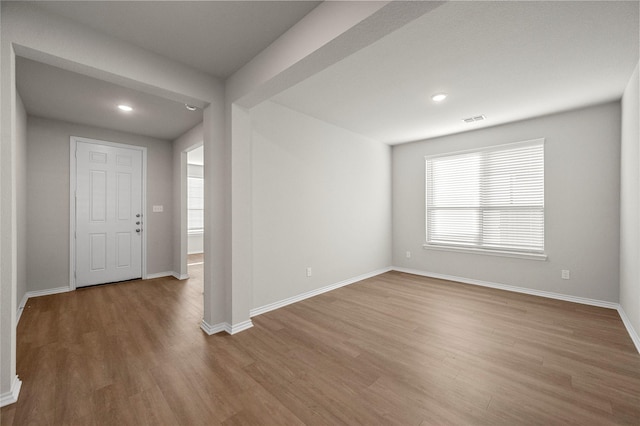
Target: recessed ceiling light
[
  {"x": 190, "y": 107},
  {"x": 125, "y": 108},
  {"x": 439, "y": 97}
]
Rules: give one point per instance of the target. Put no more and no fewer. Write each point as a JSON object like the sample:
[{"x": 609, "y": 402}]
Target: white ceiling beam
[{"x": 330, "y": 33}]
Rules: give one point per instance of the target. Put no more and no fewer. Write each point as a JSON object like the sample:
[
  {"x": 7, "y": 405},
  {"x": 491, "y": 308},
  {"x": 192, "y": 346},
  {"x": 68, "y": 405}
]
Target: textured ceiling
[
  {"x": 217, "y": 37},
  {"x": 54, "y": 93},
  {"x": 212, "y": 36},
  {"x": 506, "y": 60}
]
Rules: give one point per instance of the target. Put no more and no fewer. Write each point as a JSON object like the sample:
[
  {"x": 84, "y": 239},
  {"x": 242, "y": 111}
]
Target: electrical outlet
[
  {"x": 309, "y": 271},
  {"x": 408, "y": 255},
  {"x": 566, "y": 274}
]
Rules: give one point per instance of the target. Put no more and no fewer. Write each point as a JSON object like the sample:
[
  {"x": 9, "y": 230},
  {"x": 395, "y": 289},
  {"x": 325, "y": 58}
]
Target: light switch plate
[{"x": 158, "y": 209}]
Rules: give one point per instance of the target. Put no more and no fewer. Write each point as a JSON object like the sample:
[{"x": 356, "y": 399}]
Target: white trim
[
  {"x": 183, "y": 200},
  {"x": 237, "y": 328},
  {"x": 515, "y": 289},
  {"x": 497, "y": 147},
  {"x": 72, "y": 211},
  {"x": 288, "y": 301},
  {"x": 73, "y": 141},
  {"x": 225, "y": 326},
  {"x": 160, "y": 275},
  {"x": 632, "y": 332},
  {"x": 47, "y": 292},
  {"x": 213, "y": 329},
  {"x": 28, "y": 295},
  {"x": 11, "y": 397},
  {"x": 507, "y": 155},
  {"x": 180, "y": 276},
  {"x": 21, "y": 306},
  {"x": 167, "y": 274},
  {"x": 501, "y": 253}
]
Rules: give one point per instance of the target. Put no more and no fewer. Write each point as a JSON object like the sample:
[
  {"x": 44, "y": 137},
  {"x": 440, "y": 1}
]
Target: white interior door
[{"x": 108, "y": 214}]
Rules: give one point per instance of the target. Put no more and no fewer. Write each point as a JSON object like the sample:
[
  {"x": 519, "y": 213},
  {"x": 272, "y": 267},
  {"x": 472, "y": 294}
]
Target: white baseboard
[
  {"x": 11, "y": 396},
  {"x": 37, "y": 293},
  {"x": 47, "y": 292},
  {"x": 213, "y": 329},
  {"x": 547, "y": 294},
  {"x": 288, "y": 301},
  {"x": 225, "y": 326},
  {"x": 632, "y": 332},
  {"x": 180, "y": 276},
  {"x": 237, "y": 328},
  {"x": 21, "y": 306},
  {"x": 161, "y": 275}
]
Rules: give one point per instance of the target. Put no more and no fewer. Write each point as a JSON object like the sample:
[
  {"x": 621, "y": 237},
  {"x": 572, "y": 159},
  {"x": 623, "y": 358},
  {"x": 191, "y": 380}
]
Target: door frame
[
  {"x": 184, "y": 208},
  {"x": 72, "y": 201}
]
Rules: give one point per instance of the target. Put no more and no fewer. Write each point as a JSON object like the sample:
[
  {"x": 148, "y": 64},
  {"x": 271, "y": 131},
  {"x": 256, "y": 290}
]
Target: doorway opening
[{"x": 195, "y": 211}]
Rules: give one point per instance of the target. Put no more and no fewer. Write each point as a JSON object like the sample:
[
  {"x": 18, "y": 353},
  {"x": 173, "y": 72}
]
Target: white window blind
[
  {"x": 195, "y": 203},
  {"x": 492, "y": 199}
]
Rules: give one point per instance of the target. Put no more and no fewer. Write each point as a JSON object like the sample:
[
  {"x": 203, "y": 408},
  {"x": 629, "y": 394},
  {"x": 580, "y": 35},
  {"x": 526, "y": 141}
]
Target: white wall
[
  {"x": 630, "y": 203},
  {"x": 21, "y": 199},
  {"x": 7, "y": 344},
  {"x": 9, "y": 382},
  {"x": 48, "y": 199},
  {"x": 321, "y": 199},
  {"x": 582, "y": 205}
]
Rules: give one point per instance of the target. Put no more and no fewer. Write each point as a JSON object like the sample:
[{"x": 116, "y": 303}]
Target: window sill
[{"x": 513, "y": 254}]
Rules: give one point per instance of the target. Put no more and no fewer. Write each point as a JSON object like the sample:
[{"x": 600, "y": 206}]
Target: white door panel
[{"x": 108, "y": 214}]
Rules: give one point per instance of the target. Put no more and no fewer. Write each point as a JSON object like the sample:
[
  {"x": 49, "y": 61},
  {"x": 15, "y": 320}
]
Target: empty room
[{"x": 319, "y": 212}]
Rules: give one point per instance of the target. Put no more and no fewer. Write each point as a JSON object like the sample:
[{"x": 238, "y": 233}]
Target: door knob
[
  {"x": 138, "y": 230},
  {"x": 138, "y": 215},
  {"x": 138, "y": 223}
]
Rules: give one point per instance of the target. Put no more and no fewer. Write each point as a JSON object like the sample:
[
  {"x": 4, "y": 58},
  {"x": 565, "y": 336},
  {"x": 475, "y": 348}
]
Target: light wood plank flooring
[
  {"x": 195, "y": 259},
  {"x": 393, "y": 349}
]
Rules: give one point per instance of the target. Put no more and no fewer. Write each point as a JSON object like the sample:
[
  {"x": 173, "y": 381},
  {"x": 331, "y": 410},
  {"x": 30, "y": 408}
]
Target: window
[
  {"x": 195, "y": 203},
  {"x": 490, "y": 200}
]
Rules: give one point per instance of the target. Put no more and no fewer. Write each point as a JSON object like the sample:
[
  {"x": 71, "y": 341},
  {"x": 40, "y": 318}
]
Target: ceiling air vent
[{"x": 474, "y": 119}]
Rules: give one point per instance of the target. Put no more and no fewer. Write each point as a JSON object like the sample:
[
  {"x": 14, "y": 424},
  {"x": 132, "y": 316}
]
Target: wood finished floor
[{"x": 393, "y": 349}]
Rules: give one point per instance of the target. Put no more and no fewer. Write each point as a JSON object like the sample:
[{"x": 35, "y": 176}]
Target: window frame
[{"x": 480, "y": 248}]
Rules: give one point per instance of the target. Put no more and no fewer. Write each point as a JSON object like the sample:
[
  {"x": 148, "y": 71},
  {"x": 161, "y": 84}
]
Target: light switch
[{"x": 158, "y": 209}]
